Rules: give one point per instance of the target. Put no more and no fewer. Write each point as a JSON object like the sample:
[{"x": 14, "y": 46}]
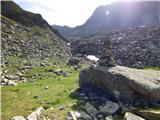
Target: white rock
[
  {"x": 130, "y": 116},
  {"x": 77, "y": 114},
  {"x": 35, "y": 115},
  {"x": 18, "y": 118},
  {"x": 109, "y": 118},
  {"x": 92, "y": 58},
  {"x": 12, "y": 83}
]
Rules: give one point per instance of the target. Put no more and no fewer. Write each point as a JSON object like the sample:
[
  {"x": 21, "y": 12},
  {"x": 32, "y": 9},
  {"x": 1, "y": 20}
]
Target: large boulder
[{"x": 132, "y": 85}]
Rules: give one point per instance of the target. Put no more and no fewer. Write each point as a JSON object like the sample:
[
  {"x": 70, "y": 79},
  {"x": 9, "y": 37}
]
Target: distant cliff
[{"x": 118, "y": 15}]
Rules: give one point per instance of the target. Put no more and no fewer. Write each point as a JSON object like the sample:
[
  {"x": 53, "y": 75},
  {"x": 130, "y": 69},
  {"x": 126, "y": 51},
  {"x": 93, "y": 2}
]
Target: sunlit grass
[{"x": 26, "y": 97}]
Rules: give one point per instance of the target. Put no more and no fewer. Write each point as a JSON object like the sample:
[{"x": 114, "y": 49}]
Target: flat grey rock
[{"x": 131, "y": 84}]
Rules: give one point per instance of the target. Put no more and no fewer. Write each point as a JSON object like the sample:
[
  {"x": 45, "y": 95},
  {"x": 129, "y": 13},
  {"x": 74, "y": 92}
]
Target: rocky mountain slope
[
  {"x": 133, "y": 47},
  {"x": 114, "y": 16},
  {"x": 27, "y": 39},
  {"x": 25, "y": 34}
]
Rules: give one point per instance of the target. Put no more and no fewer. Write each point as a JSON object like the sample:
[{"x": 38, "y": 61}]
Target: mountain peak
[{"x": 118, "y": 15}]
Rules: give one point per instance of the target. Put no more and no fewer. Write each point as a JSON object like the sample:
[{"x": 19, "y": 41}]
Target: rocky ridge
[
  {"x": 143, "y": 42},
  {"x": 27, "y": 41}
]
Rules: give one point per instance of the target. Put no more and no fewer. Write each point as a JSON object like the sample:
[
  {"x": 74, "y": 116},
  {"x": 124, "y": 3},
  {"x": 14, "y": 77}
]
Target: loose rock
[
  {"x": 90, "y": 109},
  {"x": 18, "y": 118},
  {"x": 109, "y": 108},
  {"x": 130, "y": 116},
  {"x": 35, "y": 115}
]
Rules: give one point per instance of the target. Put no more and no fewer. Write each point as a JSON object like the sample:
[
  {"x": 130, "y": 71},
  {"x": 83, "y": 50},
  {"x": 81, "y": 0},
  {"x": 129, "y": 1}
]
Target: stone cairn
[{"x": 106, "y": 56}]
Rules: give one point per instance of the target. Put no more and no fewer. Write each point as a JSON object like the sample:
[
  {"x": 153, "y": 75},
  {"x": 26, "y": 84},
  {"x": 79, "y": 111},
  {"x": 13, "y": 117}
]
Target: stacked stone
[{"x": 106, "y": 56}]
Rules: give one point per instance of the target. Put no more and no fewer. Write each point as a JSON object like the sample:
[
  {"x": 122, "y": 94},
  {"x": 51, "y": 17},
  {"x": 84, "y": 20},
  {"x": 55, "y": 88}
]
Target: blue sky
[{"x": 63, "y": 12}]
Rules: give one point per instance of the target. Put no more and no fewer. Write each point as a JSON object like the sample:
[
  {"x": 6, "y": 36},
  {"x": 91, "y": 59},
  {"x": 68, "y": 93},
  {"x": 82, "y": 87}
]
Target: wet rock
[
  {"x": 18, "y": 118},
  {"x": 131, "y": 116},
  {"x": 109, "y": 108}
]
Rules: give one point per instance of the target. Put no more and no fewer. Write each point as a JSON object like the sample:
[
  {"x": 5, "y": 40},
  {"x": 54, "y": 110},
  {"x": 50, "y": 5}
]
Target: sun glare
[{"x": 107, "y": 1}]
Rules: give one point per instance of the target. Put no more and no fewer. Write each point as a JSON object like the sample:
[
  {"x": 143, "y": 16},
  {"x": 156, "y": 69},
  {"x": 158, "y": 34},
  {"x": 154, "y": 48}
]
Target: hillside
[
  {"x": 132, "y": 47},
  {"x": 33, "y": 34},
  {"x": 28, "y": 40},
  {"x": 45, "y": 78},
  {"x": 118, "y": 15}
]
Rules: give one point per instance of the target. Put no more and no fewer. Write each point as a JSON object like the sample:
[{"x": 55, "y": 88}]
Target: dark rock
[
  {"x": 85, "y": 116},
  {"x": 144, "y": 42},
  {"x": 73, "y": 61},
  {"x": 37, "y": 97},
  {"x": 106, "y": 57},
  {"x": 90, "y": 109},
  {"x": 67, "y": 74},
  {"x": 59, "y": 72},
  {"x": 100, "y": 116},
  {"x": 61, "y": 108},
  {"x": 109, "y": 108}
]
